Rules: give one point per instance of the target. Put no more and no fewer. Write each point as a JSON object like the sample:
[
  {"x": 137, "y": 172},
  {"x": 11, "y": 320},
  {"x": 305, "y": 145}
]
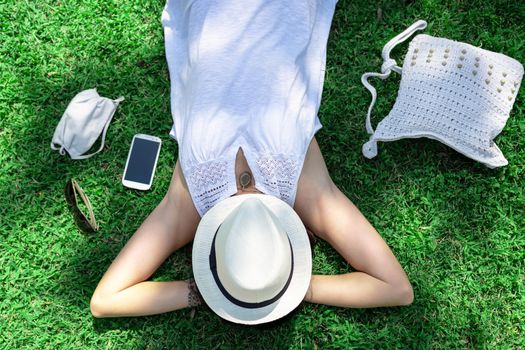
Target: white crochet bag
[{"x": 450, "y": 91}]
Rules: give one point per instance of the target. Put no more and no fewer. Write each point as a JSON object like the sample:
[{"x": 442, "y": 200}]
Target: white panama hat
[{"x": 251, "y": 259}]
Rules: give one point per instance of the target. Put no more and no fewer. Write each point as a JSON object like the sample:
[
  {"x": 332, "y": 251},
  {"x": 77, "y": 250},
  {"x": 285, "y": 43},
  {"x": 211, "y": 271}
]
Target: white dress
[{"x": 245, "y": 74}]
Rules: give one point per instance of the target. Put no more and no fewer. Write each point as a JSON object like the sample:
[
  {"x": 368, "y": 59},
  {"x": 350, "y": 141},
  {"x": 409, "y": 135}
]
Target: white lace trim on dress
[{"x": 212, "y": 181}]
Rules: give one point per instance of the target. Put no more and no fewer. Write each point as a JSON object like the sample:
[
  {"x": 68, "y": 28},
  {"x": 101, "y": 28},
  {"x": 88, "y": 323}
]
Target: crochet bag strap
[{"x": 389, "y": 65}]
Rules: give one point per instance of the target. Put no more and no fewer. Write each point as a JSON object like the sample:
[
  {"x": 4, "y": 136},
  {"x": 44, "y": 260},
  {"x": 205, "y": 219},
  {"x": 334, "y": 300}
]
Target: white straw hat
[{"x": 251, "y": 259}]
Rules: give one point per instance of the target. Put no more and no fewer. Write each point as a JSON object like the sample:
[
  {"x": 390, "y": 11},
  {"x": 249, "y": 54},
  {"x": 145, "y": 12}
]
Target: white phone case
[{"x": 140, "y": 185}]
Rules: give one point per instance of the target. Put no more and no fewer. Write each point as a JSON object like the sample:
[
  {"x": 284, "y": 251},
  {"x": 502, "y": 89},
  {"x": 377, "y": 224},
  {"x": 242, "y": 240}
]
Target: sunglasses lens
[
  {"x": 82, "y": 223},
  {"x": 69, "y": 193}
]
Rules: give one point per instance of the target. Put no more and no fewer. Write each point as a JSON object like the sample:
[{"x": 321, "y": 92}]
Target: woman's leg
[
  {"x": 379, "y": 280},
  {"x": 123, "y": 290}
]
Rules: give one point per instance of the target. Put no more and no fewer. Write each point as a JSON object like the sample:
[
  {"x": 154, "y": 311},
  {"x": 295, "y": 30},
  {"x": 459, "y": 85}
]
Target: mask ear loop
[
  {"x": 116, "y": 102},
  {"x": 370, "y": 148},
  {"x": 60, "y": 149}
]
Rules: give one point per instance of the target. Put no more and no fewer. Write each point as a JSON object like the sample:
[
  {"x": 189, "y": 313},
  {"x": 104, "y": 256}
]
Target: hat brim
[{"x": 302, "y": 268}]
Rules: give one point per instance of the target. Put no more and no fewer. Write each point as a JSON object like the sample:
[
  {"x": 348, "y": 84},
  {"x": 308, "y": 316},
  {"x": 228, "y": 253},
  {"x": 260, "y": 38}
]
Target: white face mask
[{"x": 86, "y": 117}]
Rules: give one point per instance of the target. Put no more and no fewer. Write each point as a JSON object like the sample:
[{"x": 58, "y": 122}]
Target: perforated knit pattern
[
  {"x": 280, "y": 174},
  {"x": 209, "y": 183},
  {"x": 456, "y": 93},
  {"x": 275, "y": 175}
]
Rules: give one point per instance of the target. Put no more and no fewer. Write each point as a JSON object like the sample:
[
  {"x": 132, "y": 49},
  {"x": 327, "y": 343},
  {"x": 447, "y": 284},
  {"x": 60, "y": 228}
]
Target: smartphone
[{"x": 142, "y": 161}]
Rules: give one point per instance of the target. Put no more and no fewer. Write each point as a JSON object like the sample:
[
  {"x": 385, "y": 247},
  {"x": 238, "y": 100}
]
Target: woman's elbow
[
  {"x": 97, "y": 307},
  {"x": 406, "y": 294}
]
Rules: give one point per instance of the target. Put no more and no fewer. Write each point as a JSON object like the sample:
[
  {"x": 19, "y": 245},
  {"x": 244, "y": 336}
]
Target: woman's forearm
[
  {"x": 146, "y": 298},
  {"x": 357, "y": 289}
]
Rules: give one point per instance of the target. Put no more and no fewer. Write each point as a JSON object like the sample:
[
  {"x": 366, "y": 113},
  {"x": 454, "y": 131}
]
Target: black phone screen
[{"x": 142, "y": 160}]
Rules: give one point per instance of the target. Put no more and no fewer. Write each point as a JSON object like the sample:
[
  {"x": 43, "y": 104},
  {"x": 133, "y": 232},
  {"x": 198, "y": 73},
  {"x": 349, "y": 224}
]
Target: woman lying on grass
[{"x": 250, "y": 178}]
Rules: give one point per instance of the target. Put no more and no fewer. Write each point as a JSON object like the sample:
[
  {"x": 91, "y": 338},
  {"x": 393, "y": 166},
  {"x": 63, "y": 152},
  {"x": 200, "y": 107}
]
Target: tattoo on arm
[{"x": 194, "y": 296}]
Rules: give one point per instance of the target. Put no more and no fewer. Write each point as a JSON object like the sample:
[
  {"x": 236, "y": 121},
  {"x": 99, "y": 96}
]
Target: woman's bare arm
[
  {"x": 379, "y": 279},
  {"x": 124, "y": 289}
]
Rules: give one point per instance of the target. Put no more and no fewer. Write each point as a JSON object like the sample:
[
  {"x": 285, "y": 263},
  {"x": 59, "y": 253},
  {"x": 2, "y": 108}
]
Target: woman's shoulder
[
  {"x": 314, "y": 182},
  {"x": 178, "y": 193}
]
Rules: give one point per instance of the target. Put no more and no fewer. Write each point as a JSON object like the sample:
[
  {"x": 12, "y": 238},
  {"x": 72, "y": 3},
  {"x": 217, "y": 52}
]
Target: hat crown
[{"x": 253, "y": 253}]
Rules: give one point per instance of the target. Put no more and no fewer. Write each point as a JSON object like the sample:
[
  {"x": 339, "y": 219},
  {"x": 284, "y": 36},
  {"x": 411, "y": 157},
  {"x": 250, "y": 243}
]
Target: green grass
[{"x": 455, "y": 226}]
